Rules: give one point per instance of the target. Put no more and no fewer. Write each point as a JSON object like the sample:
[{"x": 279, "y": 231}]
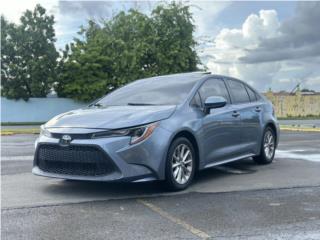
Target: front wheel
[
  {"x": 268, "y": 147},
  {"x": 180, "y": 165}
]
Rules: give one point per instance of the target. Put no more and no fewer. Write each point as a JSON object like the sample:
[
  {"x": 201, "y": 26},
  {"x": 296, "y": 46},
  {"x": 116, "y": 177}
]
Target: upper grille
[
  {"x": 73, "y": 135},
  {"x": 73, "y": 160}
]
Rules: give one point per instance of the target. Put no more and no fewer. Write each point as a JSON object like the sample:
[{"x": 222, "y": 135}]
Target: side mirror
[{"x": 214, "y": 102}]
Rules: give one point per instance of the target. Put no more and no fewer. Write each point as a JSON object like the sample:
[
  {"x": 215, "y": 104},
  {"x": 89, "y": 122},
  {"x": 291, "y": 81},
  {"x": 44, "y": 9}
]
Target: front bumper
[{"x": 144, "y": 161}]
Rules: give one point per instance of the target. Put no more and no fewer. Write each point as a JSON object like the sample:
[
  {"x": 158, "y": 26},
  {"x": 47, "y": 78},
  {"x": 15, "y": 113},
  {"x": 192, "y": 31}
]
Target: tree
[
  {"x": 29, "y": 57},
  {"x": 175, "y": 43},
  {"x": 130, "y": 46}
]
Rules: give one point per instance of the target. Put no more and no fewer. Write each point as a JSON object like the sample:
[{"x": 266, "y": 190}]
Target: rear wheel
[
  {"x": 180, "y": 165},
  {"x": 268, "y": 147}
]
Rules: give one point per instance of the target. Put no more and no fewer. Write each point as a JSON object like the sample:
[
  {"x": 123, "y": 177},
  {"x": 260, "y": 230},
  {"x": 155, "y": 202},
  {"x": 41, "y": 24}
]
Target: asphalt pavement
[{"x": 241, "y": 200}]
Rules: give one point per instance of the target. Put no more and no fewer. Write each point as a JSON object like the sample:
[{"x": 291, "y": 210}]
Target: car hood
[{"x": 112, "y": 117}]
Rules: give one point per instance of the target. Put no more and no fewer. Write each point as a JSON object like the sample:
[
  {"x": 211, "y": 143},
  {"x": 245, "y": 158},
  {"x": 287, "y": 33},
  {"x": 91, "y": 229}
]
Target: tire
[
  {"x": 268, "y": 147},
  {"x": 180, "y": 176}
]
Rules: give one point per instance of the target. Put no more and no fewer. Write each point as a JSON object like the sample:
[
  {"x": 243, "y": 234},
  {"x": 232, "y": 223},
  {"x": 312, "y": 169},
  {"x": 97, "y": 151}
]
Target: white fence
[{"x": 36, "y": 109}]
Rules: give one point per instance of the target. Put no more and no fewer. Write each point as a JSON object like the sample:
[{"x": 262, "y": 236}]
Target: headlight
[
  {"x": 137, "y": 134},
  {"x": 142, "y": 133},
  {"x": 44, "y": 131}
]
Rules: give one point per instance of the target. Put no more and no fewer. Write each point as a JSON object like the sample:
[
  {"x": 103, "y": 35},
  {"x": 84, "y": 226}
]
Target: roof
[
  {"x": 186, "y": 74},
  {"x": 194, "y": 76},
  {"x": 189, "y": 76}
]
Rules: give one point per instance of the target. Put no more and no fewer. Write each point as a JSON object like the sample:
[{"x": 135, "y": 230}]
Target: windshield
[{"x": 164, "y": 90}]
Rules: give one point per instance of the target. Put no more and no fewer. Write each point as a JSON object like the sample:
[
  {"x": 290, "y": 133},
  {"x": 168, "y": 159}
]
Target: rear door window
[
  {"x": 238, "y": 92},
  {"x": 252, "y": 94}
]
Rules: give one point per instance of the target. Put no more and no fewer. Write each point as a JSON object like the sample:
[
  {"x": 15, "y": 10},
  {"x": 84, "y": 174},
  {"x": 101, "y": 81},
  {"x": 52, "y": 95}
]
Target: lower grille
[{"x": 73, "y": 160}]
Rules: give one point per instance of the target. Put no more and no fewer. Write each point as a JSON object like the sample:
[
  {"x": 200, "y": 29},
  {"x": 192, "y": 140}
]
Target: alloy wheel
[
  {"x": 269, "y": 144},
  {"x": 182, "y": 163}
]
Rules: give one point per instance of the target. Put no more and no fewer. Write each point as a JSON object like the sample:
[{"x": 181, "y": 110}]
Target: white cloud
[
  {"x": 265, "y": 25},
  {"x": 232, "y": 45},
  {"x": 297, "y": 39},
  {"x": 204, "y": 14},
  {"x": 70, "y": 15},
  {"x": 254, "y": 28},
  {"x": 312, "y": 81},
  {"x": 263, "y": 51},
  {"x": 13, "y": 9}
]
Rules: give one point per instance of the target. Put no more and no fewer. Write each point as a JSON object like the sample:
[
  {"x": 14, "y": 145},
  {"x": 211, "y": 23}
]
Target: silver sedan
[{"x": 160, "y": 128}]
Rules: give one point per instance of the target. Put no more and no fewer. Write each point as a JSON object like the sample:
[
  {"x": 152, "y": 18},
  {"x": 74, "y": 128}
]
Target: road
[{"x": 241, "y": 200}]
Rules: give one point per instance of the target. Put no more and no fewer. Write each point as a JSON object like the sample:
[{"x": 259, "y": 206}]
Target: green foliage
[
  {"x": 130, "y": 46},
  {"x": 174, "y": 39},
  {"x": 28, "y": 55}
]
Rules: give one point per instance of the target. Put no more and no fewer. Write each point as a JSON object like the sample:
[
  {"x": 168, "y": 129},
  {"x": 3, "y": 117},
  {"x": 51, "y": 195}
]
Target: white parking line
[
  {"x": 175, "y": 220},
  {"x": 16, "y": 158}
]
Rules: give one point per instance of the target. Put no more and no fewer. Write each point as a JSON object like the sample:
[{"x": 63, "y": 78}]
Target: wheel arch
[
  {"x": 261, "y": 158},
  {"x": 273, "y": 127},
  {"x": 190, "y": 136}
]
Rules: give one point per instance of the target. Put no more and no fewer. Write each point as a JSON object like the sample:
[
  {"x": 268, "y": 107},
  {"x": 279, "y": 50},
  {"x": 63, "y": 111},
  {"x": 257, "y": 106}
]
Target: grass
[
  {"x": 299, "y": 129},
  {"x": 21, "y": 123},
  {"x": 8, "y": 132},
  {"x": 299, "y": 118}
]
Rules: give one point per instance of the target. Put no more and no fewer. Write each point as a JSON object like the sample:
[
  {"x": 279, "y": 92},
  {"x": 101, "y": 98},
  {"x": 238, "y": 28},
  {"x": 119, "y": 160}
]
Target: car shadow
[
  {"x": 100, "y": 189},
  {"x": 126, "y": 190}
]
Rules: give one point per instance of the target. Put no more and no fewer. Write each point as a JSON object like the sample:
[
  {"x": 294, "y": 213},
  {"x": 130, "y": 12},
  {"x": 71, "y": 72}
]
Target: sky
[{"x": 267, "y": 44}]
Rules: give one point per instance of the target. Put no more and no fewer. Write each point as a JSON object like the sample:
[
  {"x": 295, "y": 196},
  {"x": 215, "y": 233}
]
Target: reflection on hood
[{"x": 112, "y": 117}]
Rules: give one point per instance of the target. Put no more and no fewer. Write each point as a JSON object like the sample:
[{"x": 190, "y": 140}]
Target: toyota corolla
[{"x": 160, "y": 128}]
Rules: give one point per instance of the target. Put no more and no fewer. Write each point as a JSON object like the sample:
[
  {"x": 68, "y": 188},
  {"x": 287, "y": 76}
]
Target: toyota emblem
[{"x": 65, "y": 140}]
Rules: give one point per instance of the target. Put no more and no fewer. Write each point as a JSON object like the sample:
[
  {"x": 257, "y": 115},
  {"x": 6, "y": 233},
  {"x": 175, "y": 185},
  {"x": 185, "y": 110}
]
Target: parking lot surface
[{"x": 241, "y": 200}]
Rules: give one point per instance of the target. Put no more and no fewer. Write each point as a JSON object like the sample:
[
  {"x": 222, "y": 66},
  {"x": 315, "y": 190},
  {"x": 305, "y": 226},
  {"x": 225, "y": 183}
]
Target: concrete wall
[
  {"x": 295, "y": 105},
  {"x": 43, "y": 109},
  {"x": 36, "y": 109}
]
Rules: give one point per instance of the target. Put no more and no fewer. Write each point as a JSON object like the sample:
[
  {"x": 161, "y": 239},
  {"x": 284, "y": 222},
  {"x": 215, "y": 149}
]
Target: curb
[{"x": 300, "y": 129}]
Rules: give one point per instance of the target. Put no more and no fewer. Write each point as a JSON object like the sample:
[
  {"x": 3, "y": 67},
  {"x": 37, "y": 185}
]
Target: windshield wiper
[{"x": 141, "y": 104}]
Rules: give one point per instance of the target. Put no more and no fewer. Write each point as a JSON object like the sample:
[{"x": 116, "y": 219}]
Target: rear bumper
[{"x": 144, "y": 161}]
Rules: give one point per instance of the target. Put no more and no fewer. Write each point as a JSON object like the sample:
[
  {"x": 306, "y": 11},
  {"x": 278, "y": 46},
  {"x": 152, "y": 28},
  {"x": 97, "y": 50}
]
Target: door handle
[
  {"x": 258, "y": 109},
  {"x": 235, "y": 114}
]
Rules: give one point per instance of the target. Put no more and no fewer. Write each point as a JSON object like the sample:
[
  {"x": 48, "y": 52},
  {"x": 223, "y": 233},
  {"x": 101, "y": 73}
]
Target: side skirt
[{"x": 228, "y": 160}]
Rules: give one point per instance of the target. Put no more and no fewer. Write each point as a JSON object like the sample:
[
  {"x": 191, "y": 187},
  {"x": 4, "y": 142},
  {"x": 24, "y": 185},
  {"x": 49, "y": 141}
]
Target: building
[{"x": 297, "y": 104}]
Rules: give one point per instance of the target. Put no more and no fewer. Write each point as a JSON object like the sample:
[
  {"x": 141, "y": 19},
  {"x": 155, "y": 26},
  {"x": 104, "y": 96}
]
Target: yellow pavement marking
[
  {"x": 6, "y": 133},
  {"x": 173, "y": 219},
  {"x": 300, "y": 129}
]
